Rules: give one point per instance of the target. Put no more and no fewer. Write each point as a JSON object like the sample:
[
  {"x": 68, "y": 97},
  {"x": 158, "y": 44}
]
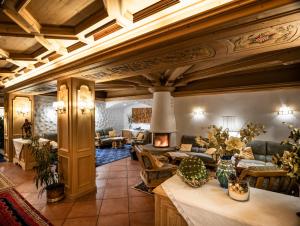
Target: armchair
[
  {"x": 142, "y": 138},
  {"x": 153, "y": 172}
]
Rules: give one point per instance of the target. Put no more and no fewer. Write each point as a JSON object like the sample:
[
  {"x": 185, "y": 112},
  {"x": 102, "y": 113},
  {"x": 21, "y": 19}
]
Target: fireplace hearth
[{"x": 161, "y": 140}]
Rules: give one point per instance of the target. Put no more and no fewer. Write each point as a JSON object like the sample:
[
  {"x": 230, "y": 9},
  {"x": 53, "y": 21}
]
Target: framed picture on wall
[{"x": 141, "y": 115}]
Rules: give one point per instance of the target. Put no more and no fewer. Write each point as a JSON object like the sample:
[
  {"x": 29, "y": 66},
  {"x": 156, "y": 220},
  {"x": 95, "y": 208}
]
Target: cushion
[
  {"x": 210, "y": 151},
  {"x": 274, "y": 148},
  {"x": 185, "y": 147},
  {"x": 112, "y": 133},
  {"x": 247, "y": 153},
  {"x": 198, "y": 149},
  {"x": 140, "y": 136},
  {"x": 258, "y": 147}
]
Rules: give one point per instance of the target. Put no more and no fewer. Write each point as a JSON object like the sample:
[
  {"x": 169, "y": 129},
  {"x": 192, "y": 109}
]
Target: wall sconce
[
  {"x": 85, "y": 105},
  {"x": 22, "y": 110},
  {"x": 198, "y": 113},
  {"x": 285, "y": 110},
  {"x": 59, "y": 106},
  {"x": 85, "y": 99},
  {"x": 62, "y": 98},
  {"x": 22, "y": 106}
]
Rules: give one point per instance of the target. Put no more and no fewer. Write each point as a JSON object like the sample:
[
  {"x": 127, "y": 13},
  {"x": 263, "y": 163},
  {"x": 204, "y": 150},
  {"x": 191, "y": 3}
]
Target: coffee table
[{"x": 117, "y": 142}]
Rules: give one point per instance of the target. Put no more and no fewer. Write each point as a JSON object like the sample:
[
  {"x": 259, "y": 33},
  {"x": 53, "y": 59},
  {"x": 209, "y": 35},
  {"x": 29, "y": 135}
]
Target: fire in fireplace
[{"x": 161, "y": 140}]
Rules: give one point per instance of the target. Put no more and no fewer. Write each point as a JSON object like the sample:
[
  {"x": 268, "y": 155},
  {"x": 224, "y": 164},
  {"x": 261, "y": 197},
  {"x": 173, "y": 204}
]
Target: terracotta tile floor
[{"x": 114, "y": 203}]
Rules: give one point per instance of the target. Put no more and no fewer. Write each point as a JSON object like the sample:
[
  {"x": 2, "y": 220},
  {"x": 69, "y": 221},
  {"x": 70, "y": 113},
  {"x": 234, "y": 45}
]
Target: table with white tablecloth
[
  {"x": 22, "y": 153},
  {"x": 210, "y": 205}
]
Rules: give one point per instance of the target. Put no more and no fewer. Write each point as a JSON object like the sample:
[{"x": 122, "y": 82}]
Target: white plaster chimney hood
[{"x": 163, "y": 116}]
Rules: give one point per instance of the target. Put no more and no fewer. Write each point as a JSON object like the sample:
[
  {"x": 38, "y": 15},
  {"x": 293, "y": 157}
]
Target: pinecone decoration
[{"x": 193, "y": 171}]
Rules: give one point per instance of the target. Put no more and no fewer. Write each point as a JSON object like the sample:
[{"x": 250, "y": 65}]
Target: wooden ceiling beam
[
  {"x": 138, "y": 80},
  {"x": 22, "y": 57},
  {"x": 59, "y": 32},
  {"x": 5, "y": 71},
  {"x": 4, "y": 53},
  {"x": 92, "y": 20},
  {"x": 176, "y": 73},
  {"x": 282, "y": 57},
  {"x": 13, "y": 15},
  {"x": 53, "y": 32},
  {"x": 21, "y": 5},
  {"x": 51, "y": 46}
]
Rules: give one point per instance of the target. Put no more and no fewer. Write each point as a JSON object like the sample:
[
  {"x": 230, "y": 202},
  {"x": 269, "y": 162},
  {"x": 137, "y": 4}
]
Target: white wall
[
  {"x": 128, "y": 111},
  {"x": 259, "y": 107},
  {"x": 107, "y": 116},
  {"x": 45, "y": 117}
]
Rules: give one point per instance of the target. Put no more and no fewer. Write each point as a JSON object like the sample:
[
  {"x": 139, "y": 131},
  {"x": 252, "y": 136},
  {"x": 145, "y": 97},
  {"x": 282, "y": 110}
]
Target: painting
[{"x": 141, "y": 115}]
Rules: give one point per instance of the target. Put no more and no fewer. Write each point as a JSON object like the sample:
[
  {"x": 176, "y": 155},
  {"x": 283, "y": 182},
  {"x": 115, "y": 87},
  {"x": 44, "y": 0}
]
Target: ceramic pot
[
  {"x": 224, "y": 170},
  {"x": 55, "y": 192}
]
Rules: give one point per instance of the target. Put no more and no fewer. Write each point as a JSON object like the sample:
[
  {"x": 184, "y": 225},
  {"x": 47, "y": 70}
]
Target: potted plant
[
  {"x": 47, "y": 176},
  {"x": 290, "y": 160}
]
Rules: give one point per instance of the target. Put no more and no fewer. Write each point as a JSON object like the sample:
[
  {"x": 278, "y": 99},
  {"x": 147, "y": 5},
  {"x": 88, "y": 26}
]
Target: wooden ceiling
[{"x": 239, "y": 46}]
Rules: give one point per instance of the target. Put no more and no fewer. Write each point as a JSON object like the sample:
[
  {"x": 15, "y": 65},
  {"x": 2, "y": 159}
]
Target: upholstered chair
[
  {"x": 153, "y": 171},
  {"x": 143, "y": 137}
]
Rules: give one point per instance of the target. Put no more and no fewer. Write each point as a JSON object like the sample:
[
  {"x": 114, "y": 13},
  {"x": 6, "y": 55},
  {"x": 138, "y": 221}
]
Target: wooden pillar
[
  {"x": 76, "y": 134},
  {"x": 17, "y": 108}
]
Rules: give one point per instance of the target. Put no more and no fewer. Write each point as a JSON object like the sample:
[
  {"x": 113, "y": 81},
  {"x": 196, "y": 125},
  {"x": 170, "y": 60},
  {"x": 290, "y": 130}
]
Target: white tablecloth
[
  {"x": 19, "y": 143},
  {"x": 210, "y": 205}
]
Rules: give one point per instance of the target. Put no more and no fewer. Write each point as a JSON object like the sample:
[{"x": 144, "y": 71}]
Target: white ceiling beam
[{"x": 117, "y": 9}]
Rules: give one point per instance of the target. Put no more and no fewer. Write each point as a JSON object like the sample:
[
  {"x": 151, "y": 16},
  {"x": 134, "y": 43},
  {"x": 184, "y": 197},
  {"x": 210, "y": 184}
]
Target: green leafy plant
[
  {"x": 46, "y": 162},
  {"x": 290, "y": 160}
]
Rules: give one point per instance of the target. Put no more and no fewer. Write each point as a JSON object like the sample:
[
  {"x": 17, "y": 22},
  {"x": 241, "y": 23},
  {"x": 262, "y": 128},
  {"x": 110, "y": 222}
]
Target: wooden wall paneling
[
  {"x": 76, "y": 140},
  {"x": 13, "y": 121}
]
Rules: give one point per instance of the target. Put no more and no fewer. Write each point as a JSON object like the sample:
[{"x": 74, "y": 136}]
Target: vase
[{"x": 224, "y": 170}]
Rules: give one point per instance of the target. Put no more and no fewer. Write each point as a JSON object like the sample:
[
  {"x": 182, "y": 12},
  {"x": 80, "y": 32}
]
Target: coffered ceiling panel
[
  {"x": 63, "y": 12},
  {"x": 5, "y": 64},
  {"x": 19, "y": 44}
]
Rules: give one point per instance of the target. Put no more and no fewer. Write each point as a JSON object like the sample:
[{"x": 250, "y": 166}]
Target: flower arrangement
[
  {"x": 250, "y": 131},
  {"x": 224, "y": 144},
  {"x": 290, "y": 160}
]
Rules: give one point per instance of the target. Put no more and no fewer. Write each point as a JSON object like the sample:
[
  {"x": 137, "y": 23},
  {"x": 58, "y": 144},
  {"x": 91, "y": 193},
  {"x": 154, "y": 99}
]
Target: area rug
[
  {"x": 142, "y": 188},
  {"x": 16, "y": 211},
  {"x": 5, "y": 182},
  {"x": 108, "y": 155}
]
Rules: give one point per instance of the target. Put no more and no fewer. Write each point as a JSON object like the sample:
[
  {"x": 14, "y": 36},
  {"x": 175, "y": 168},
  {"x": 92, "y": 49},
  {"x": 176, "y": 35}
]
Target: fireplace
[{"x": 161, "y": 140}]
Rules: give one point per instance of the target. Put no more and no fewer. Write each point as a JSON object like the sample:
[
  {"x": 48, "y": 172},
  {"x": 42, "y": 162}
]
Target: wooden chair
[
  {"x": 271, "y": 179},
  {"x": 153, "y": 172}
]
